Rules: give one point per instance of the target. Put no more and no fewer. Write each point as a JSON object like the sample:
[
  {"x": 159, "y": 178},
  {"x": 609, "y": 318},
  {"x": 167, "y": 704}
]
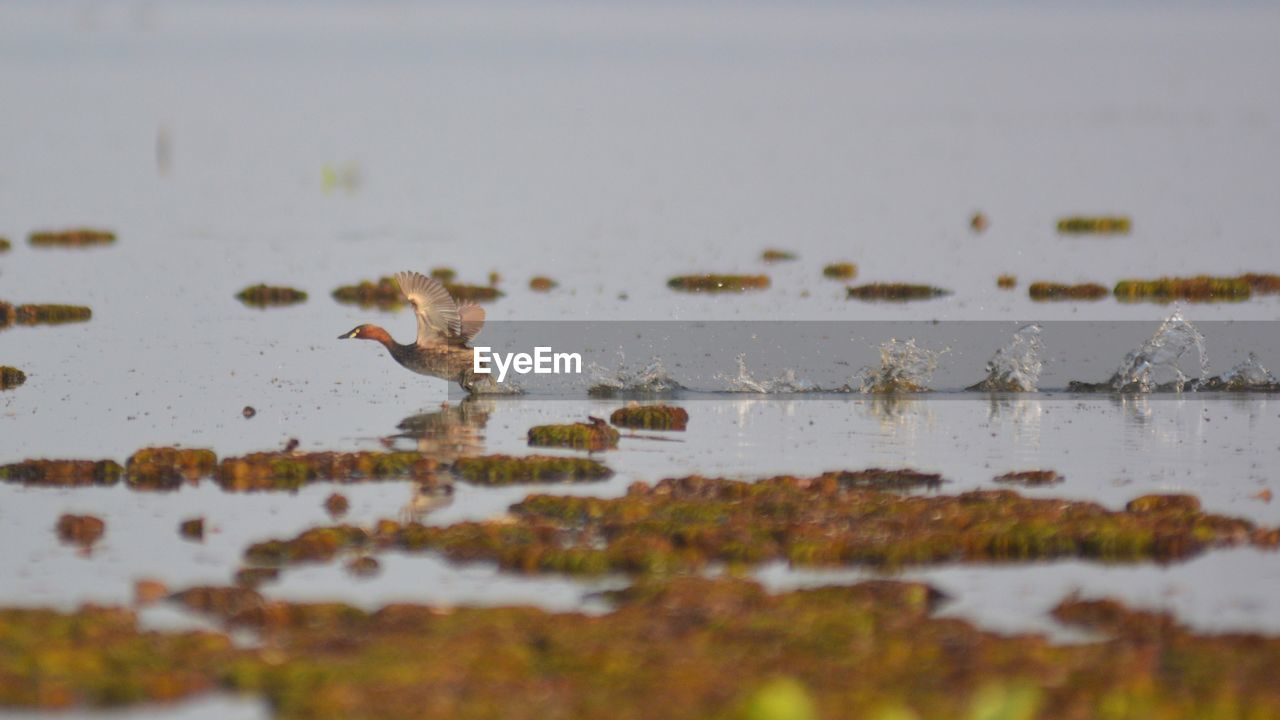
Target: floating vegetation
[
  {"x": 510, "y": 470},
  {"x": 384, "y": 294},
  {"x": 894, "y": 292},
  {"x": 444, "y": 274},
  {"x": 253, "y": 577},
  {"x": 1041, "y": 291},
  {"x": 268, "y": 295},
  {"x": 363, "y": 566},
  {"x": 42, "y": 314},
  {"x": 473, "y": 293},
  {"x": 775, "y": 255},
  {"x": 883, "y": 480},
  {"x": 904, "y": 368},
  {"x": 1031, "y": 478},
  {"x": 5, "y": 245},
  {"x": 1201, "y": 288},
  {"x": 1262, "y": 284},
  {"x": 1006, "y": 282},
  {"x": 192, "y": 529},
  {"x": 82, "y": 530},
  {"x": 718, "y": 283},
  {"x": 62, "y": 473},
  {"x": 542, "y": 283},
  {"x": 1079, "y": 225},
  {"x": 596, "y": 435},
  {"x": 1156, "y": 366},
  {"x": 979, "y": 222},
  {"x": 248, "y": 412},
  {"x": 840, "y": 271},
  {"x": 650, "y": 379},
  {"x": 76, "y": 237},
  {"x": 148, "y": 591},
  {"x": 166, "y": 468},
  {"x": 337, "y": 505},
  {"x": 11, "y": 377},
  {"x": 650, "y": 417},
  {"x": 1016, "y": 366},
  {"x": 688, "y": 523},
  {"x": 290, "y": 471}
]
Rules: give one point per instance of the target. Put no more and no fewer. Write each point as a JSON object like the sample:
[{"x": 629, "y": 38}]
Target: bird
[{"x": 445, "y": 330}]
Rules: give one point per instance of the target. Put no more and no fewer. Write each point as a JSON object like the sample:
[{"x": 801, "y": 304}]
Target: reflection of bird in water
[
  {"x": 425, "y": 498},
  {"x": 444, "y": 330},
  {"x": 452, "y": 432}
]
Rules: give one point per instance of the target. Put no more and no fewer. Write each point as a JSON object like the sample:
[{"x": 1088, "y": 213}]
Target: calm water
[{"x": 612, "y": 147}]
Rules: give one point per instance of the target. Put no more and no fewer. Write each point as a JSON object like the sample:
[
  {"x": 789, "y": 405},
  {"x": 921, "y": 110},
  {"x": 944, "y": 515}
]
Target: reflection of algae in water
[
  {"x": 595, "y": 435},
  {"x": 688, "y": 523},
  {"x": 508, "y": 470},
  {"x": 1155, "y": 366},
  {"x": 264, "y": 295},
  {"x": 1041, "y": 291},
  {"x": 1194, "y": 289},
  {"x": 11, "y": 377},
  {"x": 649, "y": 379},
  {"x": 1016, "y": 366},
  {"x": 650, "y": 417},
  {"x": 904, "y": 367},
  {"x": 76, "y": 237},
  {"x": 713, "y": 283},
  {"x": 894, "y": 292}
]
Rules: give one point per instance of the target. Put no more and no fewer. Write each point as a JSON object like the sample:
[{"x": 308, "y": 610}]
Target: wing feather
[
  {"x": 472, "y": 320},
  {"x": 438, "y": 318}
]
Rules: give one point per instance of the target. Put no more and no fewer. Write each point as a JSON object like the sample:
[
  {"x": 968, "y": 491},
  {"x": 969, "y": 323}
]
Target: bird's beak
[{"x": 347, "y": 335}]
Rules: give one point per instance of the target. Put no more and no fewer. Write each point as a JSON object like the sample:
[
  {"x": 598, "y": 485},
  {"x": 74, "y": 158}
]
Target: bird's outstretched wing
[
  {"x": 472, "y": 320},
  {"x": 438, "y": 318}
]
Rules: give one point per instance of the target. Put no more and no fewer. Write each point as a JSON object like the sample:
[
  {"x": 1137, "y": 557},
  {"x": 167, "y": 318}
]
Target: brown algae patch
[
  {"x": 510, "y": 470},
  {"x": 1083, "y": 225},
  {"x": 11, "y": 377},
  {"x": 1202, "y": 288},
  {"x": 1041, "y": 291},
  {"x": 772, "y": 255},
  {"x": 1031, "y": 478},
  {"x": 264, "y": 295},
  {"x": 62, "y": 473},
  {"x": 385, "y": 294},
  {"x": 542, "y": 283},
  {"x": 42, "y": 314},
  {"x": 337, "y": 505},
  {"x": 290, "y": 471},
  {"x": 192, "y": 529},
  {"x": 840, "y": 271},
  {"x": 1262, "y": 284},
  {"x": 473, "y": 293},
  {"x": 5, "y": 245},
  {"x": 595, "y": 435},
  {"x": 444, "y": 274},
  {"x": 167, "y": 468},
  {"x": 713, "y": 283},
  {"x": 82, "y": 530},
  {"x": 254, "y": 577},
  {"x": 689, "y": 523},
  {"x": 1007, "y": 282},
  {"x": 894, "y": 292},
  {"x": 650, "y": 417},
  {"x": 75, "y": 237}
]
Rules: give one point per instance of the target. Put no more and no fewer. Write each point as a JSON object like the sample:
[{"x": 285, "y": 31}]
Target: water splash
[
  {"x": 744, "y": 382},
  {"x": 649, "y": 379},
  {"x": 904, "y": 367},
  {"x": 1157, "y": 364},
  {"x": 1016, "y": 366},
  {"x": 1247, "y": 376}
]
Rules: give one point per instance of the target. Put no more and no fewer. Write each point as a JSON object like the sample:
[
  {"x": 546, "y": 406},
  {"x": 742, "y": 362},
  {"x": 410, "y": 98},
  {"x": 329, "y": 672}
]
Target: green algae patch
[
  {"x": 595, "y": 435},
  {"x": 62, "y": 473},
  {"x": 75, "y": 237},
  {"x": 1030, "y": 478},
  {"x": 444, "y": 274},
  {"x": 5, "y": 245},
  {"x": 192, "y": 529},
  {"x": 290, "y": 471},
  {"x": 713, "y": 283},
  {"x": 510, "y": 470},
  {"x": 82, "y": 530},
  {"x": 542, "y": 283},
  {"x": 167, "y": 468},
  {"x": 1042, "y": 291},
  {"x": 313, "y": 545},
  {"x": 1083, "y": 225},
  {"x": 42, "y": 314},
  {"x": 383, "y": 294},
  {"x": 1202, "y": 288},
  {"x": 650, "y": 417},
  {"x": 473, "y": 293},
  {"x": 772, "y": 255},
  {"x": 263, "y": 295},
  {"x": 840, "y": 271},
  {"x": 11, "y": 377},
  {"x": 894, "y": 292},
  {"x": 1262, "y": 284},
  {"x": 1006, "y": 282},
  {"x": 1164, "y": 504}
]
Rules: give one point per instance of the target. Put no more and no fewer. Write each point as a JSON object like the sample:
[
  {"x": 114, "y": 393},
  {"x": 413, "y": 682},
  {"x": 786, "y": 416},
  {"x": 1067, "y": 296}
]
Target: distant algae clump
[
  {"x": 11, "y": 377},
  {"x": 1095, "y": 225},
  {"x": 596, "y": 435},
  {"x": 650, "y": 417},
  {"x": 76, "y": 237},
  {"x": 712, "y": 283},
  {"x": 264, "y": 295},
  {"x": 509, "y": 470},
  {"x": 894, "y": 292}
]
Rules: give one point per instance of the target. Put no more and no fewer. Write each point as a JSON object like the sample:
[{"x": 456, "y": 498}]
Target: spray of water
[
  {"x": 904, "y": 367},
  {"x": 649, "y": 379},
  {"x": 1157, "y": 364},
  {"x": 744, "y": 382},
  {"x": 1016, "y": 366}
]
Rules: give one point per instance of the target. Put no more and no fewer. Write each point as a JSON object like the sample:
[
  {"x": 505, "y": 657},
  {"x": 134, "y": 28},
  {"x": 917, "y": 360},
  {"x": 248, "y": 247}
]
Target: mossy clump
[
  {"x": 264, "y": 295},
  {"x": 75, "y": 237},
  {"x": 62, "y": 473},
  {"x": 895, "y": 292},
  {"x": 383, "y": 294},
  {"x": 1078, "y": 225},
  {"x": 290, "y": 471},
  {"x": 1041, "y": 291},
  {"x": 902, "y": 479},
  {"x": 42, "y": 314},
  {"x": 1262, "y": 284},
  {"x": 510, "y": 470},
  {"x": 5, "y": 245},
  {"x": 83, "y": 530},
  {"x": 713, "y": 283},
  {"x": 1030, "y": 478},
  {"x": 11, "y": 377},
  {"x": 473, "y": 293},
  {"x": 771, "y": 255},
  {"x": 444, "y": 274},
  {"x": 254, "y": 577},
  {"x": 840, "y": 271},
  {"x": 650, "y": 417},
  {"x": 337, "y": 505},
  {"x": 1164, "y": 504},
  {"x": 686, "y": 524},
  {"x": 1007, "y": 282},
  {"x": 541, "y": 283},
  {"x": 595, "y": 435},
  {"x": 979, "y": 222},
  {"x": 1201, "y": 288},
  {"x": 167, "y": 468},
  {"x": 192, "y": 529},
  {"x": 363, "y": 566}
]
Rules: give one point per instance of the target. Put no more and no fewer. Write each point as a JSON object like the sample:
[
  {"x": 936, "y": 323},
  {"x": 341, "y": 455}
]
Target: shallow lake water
[{"x": 612, "y": 147}]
